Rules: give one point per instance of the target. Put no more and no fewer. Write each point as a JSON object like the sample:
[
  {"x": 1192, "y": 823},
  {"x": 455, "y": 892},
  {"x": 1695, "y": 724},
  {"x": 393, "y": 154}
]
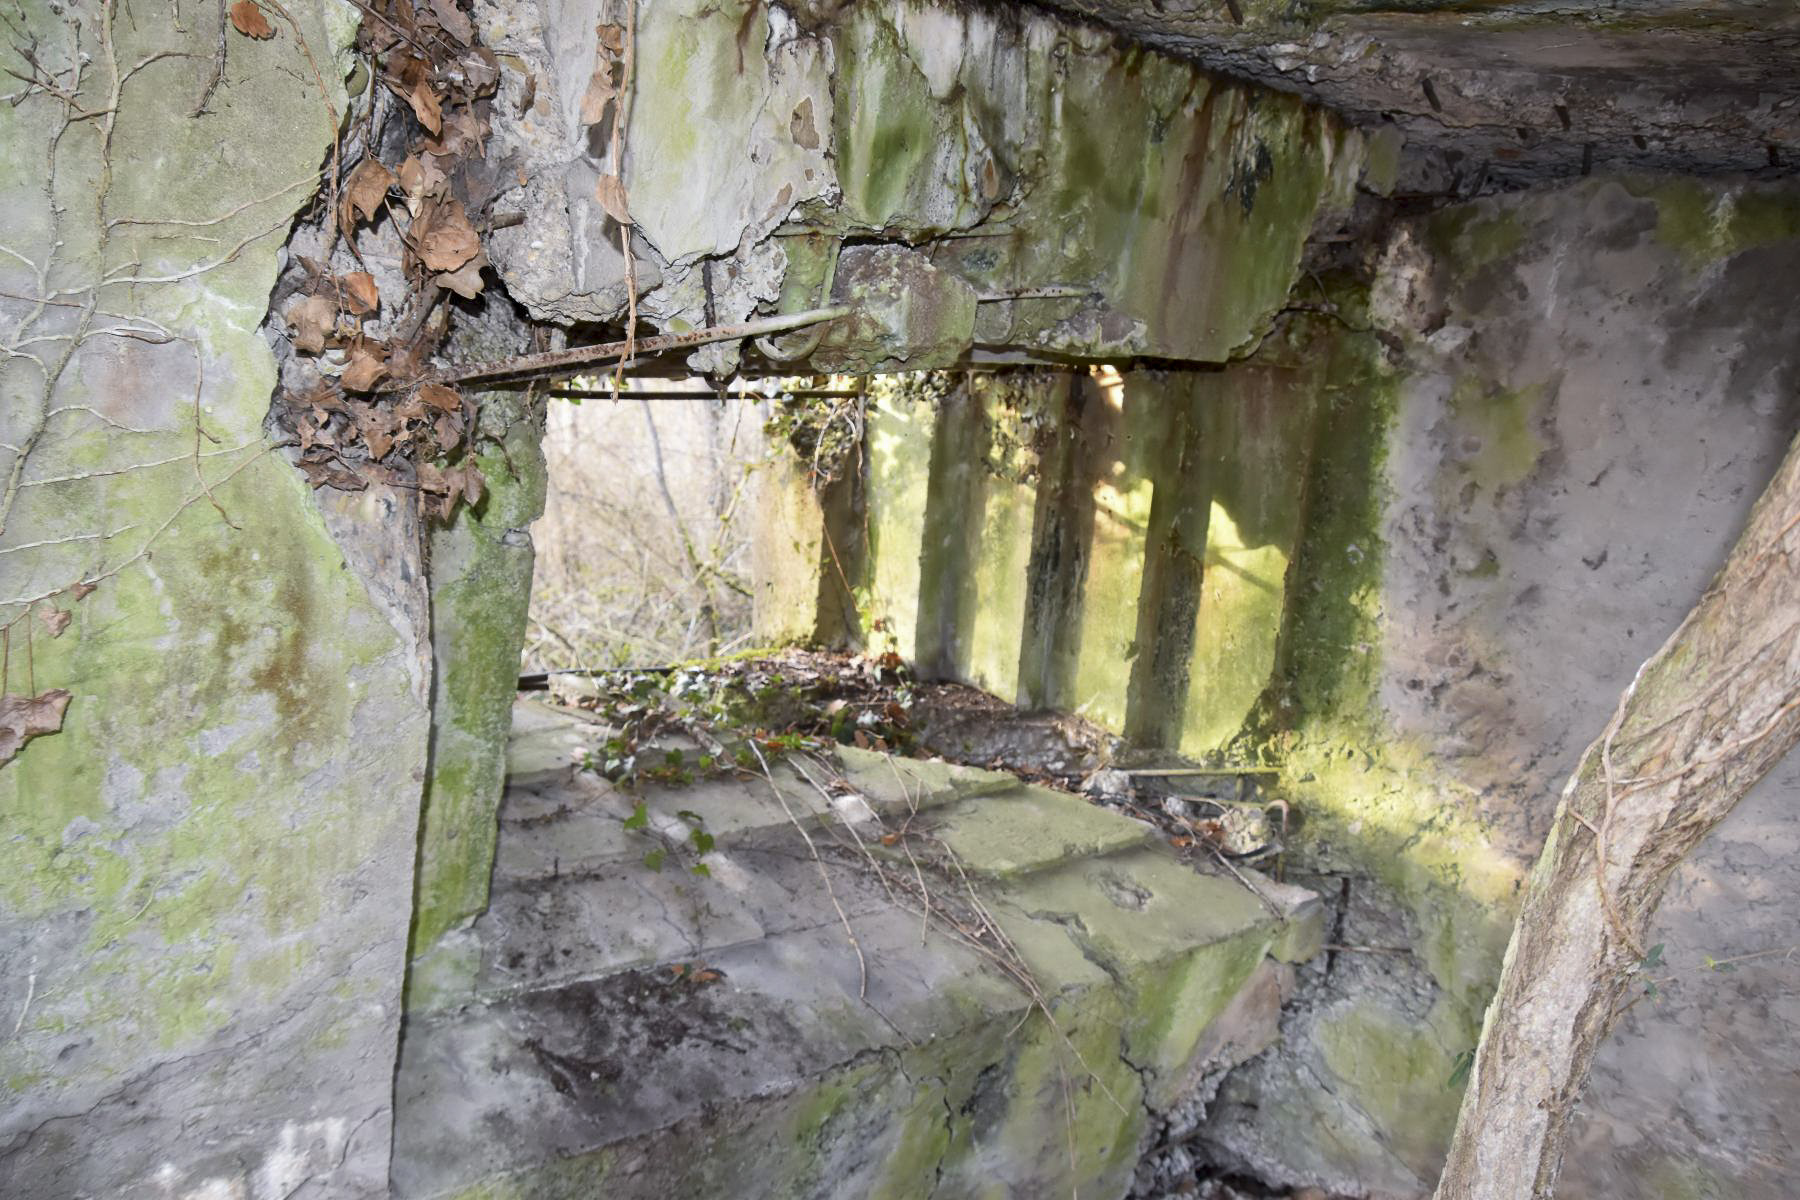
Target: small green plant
[
  {"x": 697, "y": 844},
  {"x": 1460, "y": 1069}
]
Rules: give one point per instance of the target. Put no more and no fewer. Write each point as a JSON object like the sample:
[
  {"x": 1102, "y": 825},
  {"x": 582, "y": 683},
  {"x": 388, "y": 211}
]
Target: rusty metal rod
[
  {"x": 1053, "y": 292},
  {"x": 673, "y": 394},
  {"x": 1172, "y": 772},
  {"x": 558, "y": 361}
]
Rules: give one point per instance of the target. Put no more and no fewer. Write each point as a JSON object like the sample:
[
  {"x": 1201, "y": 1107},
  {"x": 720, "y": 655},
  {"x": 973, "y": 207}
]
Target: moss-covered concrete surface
[
  {"x": 205, "y": 876},
  {"x": 1179, "y": 202},
  {"x": 480, "y": 581},
  {"x": 1409, "y": 553},
  {"x": 627, "y": 1025}
]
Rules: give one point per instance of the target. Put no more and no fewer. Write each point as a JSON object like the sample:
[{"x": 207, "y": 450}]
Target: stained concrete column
[{"x": 480, "y": 576}]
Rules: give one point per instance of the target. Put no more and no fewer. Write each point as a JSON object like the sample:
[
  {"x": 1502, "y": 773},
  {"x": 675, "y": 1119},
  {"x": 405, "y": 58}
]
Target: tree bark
[{"x": 1705, "y": 718}]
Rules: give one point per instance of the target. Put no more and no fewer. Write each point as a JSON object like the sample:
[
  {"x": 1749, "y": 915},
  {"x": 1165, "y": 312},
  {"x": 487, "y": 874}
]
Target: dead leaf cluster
[
  {"x": 375, "y": 421},
  {"x": 350, "y": 441},
  {"x": 602, "y": 109}
]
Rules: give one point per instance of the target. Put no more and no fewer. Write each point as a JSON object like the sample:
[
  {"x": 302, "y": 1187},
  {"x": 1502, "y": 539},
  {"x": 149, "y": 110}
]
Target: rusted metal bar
[
  {"x": 675, "y": 394},
  {"x": 1053, "y": 292},
  {"x": 559, "y": 361}
]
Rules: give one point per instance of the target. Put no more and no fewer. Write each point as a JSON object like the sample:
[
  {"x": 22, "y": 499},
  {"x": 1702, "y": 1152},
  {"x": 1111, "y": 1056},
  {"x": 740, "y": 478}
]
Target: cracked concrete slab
[{"x": 601, "y": 1020}]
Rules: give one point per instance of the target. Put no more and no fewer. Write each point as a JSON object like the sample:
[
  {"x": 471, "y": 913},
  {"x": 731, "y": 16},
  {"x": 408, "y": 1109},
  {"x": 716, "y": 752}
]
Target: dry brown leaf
[
  {"x": 364, "y": 192},
  {"x": 481, "y": 72},
  {"x": 425, "y": 105},
  {"x": 25, "y": 717},
  {"x": 437, "y": 482},
  {"x": 406, "y": 362},
  {"x": 529, "y": 96},
  {"x": 473, "y": 484},
  {"x": 361, "y": 292},
  {"x": 448, "y": 429},
  {"x": 454, "y": 21},
  {"x": 441, "y": 397},
  {"x": 599, "y": 94},
  {"x": 447, "y": 240},
  {"x": 379, "y": 443},
  {"x": 313, "y": 319},
  {"x": 465, "y": 281},
  {"x": 80, "y": 588},
  {"x": 325, "y": 475},
  {"x": 612, "y": 37},
  {"x": 420, "y": 180},
  {"x": 611, "y": 195},
  {"x": 367, "y": 365},
  {"x": 55, "y": 620},
  {"x": 461, "y": 137},
  {"x": 248, "y": 20}
]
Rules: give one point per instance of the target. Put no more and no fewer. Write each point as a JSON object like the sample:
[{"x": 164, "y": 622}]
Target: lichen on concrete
[
  {"x": 712, "y": 1033},
  {"x": 205, "y": 910},
  {"x": 948, "y": 128},
  {"x": 480, "y": 580}
]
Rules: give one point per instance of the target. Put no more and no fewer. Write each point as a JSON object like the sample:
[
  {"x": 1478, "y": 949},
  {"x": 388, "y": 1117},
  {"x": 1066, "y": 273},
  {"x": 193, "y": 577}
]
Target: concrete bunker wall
[
  {"x": 205, "y": 876},
  {"x": 208, "y": 874},
  {"x": 213, "y": 870},
  {"x": 1410, "y": 554}
]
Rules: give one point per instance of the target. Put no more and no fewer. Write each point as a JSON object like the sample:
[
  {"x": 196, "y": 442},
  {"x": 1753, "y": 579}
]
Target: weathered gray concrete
[
  {"x": 1434, "y": 553},
  {"x": 1520, "y": 91},
  {"x": 1592, "y": 392},
  {"x": 205, "y": 876},
  {"x": 628, "y": 1025},
  {"x": 1181, "y": 201}
]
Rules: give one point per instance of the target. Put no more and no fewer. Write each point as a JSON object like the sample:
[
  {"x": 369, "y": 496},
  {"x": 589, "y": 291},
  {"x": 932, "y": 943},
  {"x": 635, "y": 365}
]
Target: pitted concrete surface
[{"x": 608, "y": 1016}]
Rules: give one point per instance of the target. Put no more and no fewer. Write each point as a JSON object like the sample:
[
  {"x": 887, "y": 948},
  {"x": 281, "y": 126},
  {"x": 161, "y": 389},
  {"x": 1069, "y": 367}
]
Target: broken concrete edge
[
  {"x": 876, "y": 124},
  {"x": 960, "y": 1123}
]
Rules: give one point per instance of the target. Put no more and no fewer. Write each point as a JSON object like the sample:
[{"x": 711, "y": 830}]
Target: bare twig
[{"x": 862, "y": 964}]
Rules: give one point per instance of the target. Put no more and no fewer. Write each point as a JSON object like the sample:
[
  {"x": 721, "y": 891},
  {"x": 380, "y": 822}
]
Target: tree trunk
[{"x": 1706, "y": 717}]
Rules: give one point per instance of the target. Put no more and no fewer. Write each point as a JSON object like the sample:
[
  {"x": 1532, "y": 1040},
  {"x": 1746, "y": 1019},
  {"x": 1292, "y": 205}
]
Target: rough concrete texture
[
  {"x": 204, "y": 877},
  {"x": 1434, "y": 553},
  {"x": 480, "y": 581},
  {"x": 623, "y": 1023},
  {"x": 1512, "y": 93},
  {"x": 1183, "y": 202},
  {"x": 1587, "y": 393},
  {"x": 1597, "y": 392}
]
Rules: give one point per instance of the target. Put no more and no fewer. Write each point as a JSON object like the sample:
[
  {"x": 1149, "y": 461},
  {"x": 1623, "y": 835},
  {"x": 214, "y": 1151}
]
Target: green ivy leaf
[
  {"x": 701, "y": 869},
  {"x": 690, "y": 816},
  {"x": 654, "y": 859},
  {"x": 1459, "y": 1071},
  {"x": 1655, "y": 957},
  {"x": 639, "y": 818},
  {"x": 703, "y": 841}
]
